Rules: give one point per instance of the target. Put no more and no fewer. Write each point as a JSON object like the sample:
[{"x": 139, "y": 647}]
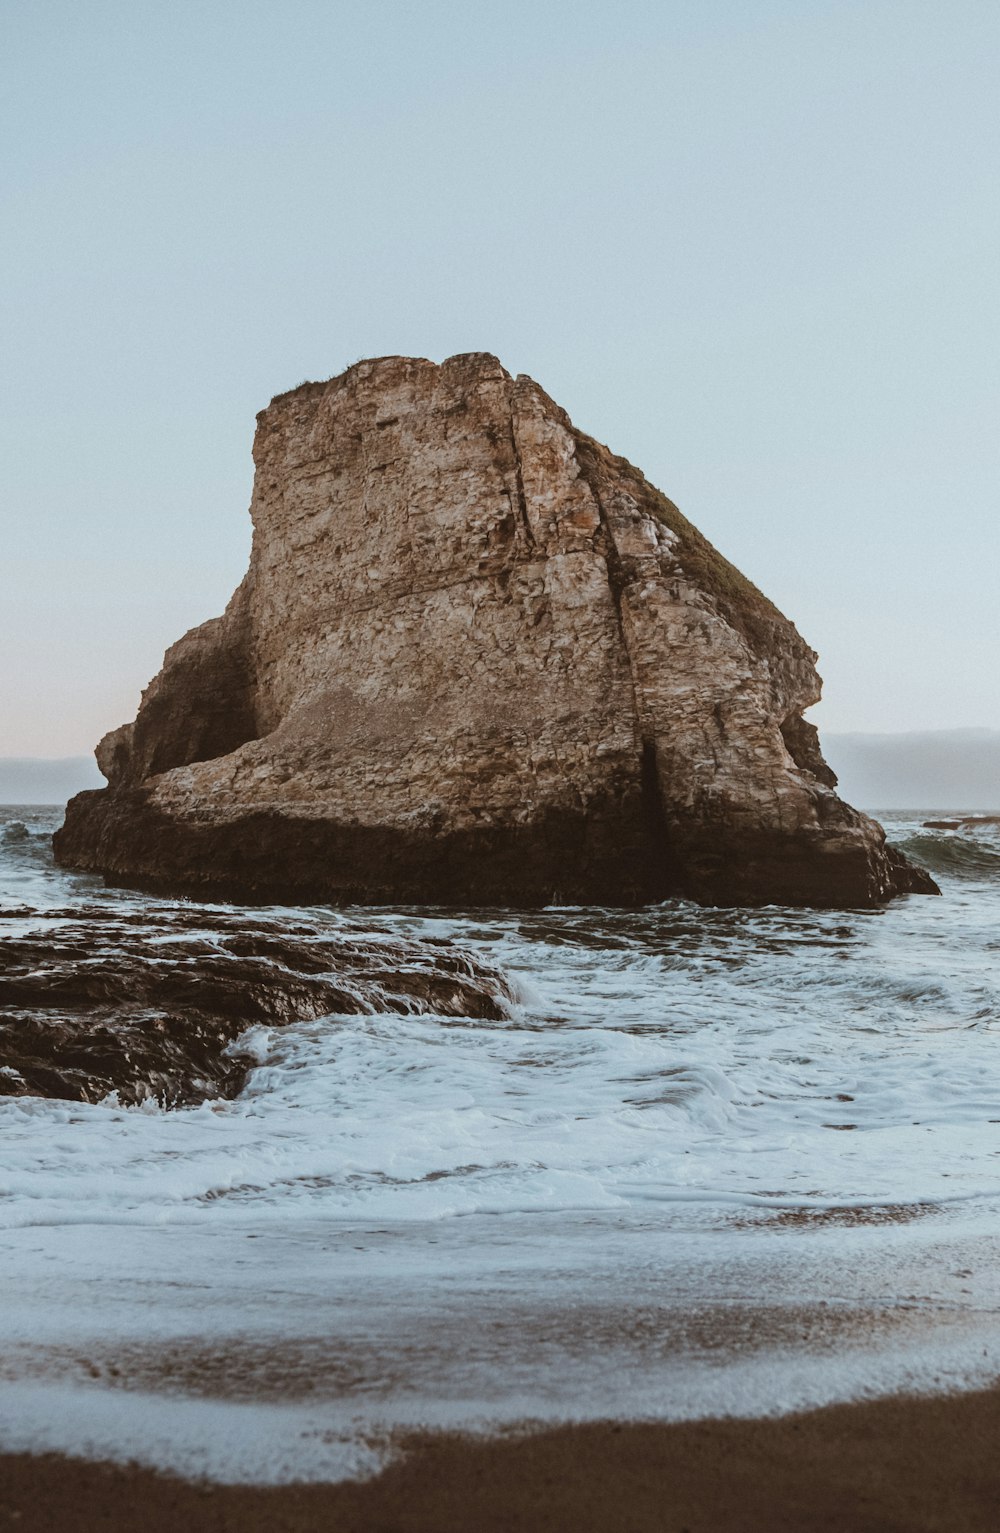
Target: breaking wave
[{"x": 958, "y": 855}]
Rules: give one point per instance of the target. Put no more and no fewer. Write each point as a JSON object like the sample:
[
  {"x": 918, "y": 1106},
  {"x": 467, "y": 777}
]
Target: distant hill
[
  {"x": 932, "y": 769},
  {"x": 33, "y": 780}
]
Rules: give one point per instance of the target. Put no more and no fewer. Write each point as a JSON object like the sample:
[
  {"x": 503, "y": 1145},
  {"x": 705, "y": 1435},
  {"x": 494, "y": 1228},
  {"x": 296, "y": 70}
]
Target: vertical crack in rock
[
  {"x": 521, "y": 510},
  {"x": 661, "y": 883},
  {"x": 663, "y": 878},
  {"x": 476, "y": 659}
]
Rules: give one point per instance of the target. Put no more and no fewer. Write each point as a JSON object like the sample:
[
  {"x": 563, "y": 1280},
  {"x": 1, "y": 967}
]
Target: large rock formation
[{"x": 476, "y": 658}]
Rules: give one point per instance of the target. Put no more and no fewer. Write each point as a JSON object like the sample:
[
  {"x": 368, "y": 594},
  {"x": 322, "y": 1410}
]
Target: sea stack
[{"x": 476, "y": 659}]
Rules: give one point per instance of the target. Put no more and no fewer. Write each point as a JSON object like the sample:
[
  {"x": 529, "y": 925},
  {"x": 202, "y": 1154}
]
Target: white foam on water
[
  {"x": 270, "y": 1355},
  {"x": 232, "y": 1443},
  {"x": 679, "y": 1095},
  {"x": 220, "y": 1441}
]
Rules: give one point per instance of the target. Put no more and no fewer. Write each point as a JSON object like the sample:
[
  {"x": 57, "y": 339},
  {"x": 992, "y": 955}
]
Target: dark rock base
[{"x": 615, "y": 853}]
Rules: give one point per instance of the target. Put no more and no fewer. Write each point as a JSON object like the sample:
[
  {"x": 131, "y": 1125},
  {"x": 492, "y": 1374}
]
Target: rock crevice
[{"x": 476, "y": 658}]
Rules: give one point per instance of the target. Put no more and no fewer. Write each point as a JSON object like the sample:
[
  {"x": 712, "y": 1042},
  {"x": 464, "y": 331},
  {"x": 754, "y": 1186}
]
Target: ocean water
[{"x": 712, "y": 1162}]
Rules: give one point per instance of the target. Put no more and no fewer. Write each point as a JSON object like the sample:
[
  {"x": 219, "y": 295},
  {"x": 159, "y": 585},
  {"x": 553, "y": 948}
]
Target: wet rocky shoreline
[{"x": 151, "y": 1004}]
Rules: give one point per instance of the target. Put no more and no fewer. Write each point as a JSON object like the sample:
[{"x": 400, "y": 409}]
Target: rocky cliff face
[{"x": 476, "y": 658}]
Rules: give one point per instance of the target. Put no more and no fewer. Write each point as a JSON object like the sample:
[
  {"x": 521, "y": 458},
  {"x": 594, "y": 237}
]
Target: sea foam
[{"x": 683, "y": 1111}]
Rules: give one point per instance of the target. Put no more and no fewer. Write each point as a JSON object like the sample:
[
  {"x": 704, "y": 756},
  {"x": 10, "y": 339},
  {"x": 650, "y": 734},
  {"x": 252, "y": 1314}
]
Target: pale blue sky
[{"x": 753, "y": 246}]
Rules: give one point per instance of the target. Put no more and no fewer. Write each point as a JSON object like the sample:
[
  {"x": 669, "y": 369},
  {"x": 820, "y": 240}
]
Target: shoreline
[{"x": 913, "y": 1464}]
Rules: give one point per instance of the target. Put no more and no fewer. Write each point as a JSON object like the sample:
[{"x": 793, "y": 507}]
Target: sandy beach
[{"x": 901, "y": 1464}]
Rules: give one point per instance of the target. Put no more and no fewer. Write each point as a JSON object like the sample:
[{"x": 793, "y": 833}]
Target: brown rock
[
  {"x": 152, "y": 1004},
  {"x": 476, "y": 658},
  {"x": 963, "y": 822}
]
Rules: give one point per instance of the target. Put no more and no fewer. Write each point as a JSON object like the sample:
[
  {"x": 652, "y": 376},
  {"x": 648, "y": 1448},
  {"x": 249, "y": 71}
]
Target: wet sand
[{"x": 907, "y": 1465}]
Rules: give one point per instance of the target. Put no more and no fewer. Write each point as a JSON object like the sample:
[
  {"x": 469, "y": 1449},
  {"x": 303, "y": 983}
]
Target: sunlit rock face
[{"x": 476, "y": 658}]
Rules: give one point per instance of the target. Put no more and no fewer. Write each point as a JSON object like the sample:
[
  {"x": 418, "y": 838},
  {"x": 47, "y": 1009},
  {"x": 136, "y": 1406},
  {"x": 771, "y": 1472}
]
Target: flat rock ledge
[
  {"x": 152, "y": 1005},
  {"x": 476, "y": 659}
]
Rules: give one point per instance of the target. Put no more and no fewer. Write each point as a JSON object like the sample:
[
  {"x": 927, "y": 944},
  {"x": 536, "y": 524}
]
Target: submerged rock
[
  {"x": 476, "y": 658},
  {"x": 963, "y": 822},
  {"x": 153, "y": 1006}
]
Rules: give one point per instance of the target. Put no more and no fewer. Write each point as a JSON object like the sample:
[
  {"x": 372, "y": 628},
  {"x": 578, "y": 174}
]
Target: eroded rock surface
[
  {"x": 152, "y": 1006},
  {"x": 476, "y": 658}
]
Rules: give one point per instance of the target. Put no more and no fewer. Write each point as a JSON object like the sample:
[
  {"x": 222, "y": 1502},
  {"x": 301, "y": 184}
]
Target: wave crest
[{"x": 951, "y": 854}]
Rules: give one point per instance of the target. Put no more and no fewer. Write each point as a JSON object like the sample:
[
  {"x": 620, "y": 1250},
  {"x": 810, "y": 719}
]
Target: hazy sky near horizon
[{"x": 751, "y": 244}]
